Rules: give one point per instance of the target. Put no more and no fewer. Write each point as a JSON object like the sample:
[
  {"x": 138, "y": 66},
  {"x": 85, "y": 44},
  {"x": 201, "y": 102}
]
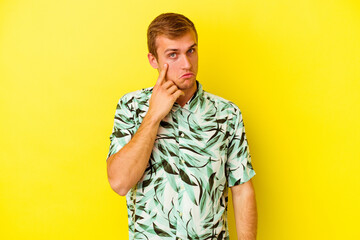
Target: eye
[
  {"x": 172, "y": 55},
  {"x": 191, "y": 50}
]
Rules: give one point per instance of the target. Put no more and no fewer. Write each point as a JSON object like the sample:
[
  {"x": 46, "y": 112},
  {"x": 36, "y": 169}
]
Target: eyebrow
[{"x": 175, "y": 49}]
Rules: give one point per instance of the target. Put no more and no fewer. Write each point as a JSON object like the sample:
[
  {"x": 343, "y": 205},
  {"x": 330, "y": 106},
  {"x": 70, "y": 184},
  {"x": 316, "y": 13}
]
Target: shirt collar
[{"x": 194, "y": 102}]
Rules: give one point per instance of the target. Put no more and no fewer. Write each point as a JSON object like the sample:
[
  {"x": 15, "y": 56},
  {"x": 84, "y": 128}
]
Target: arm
[
  {"x": 244, "y": 203},
  {"x": 126, "y": 167}
]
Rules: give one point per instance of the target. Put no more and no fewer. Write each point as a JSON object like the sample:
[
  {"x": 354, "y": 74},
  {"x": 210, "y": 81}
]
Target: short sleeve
[
  {"x": 238, "y": 166},
  {"x": 124, "y": 126}
]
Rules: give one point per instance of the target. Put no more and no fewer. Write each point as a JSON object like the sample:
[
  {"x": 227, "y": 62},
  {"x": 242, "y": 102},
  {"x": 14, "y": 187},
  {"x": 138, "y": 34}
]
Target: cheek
[
  {"x": 194, "y": 60},
  {"x": 172, "y": 73},
  {"x": 172, "y": 66}
]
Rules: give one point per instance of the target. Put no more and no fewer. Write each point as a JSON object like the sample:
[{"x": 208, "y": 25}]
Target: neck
[{"x": 182, "y": 100}]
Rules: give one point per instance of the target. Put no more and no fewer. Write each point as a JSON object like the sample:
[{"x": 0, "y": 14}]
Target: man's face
[{"x": 181, "y": 55}]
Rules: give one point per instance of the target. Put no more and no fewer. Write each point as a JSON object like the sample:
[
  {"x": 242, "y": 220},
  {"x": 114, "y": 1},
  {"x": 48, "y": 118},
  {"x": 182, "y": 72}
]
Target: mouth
[{"x": 187, "y": 75}]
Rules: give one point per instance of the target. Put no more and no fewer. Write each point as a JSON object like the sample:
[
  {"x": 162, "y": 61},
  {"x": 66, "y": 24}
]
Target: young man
[{"x": 175, "y": 149}]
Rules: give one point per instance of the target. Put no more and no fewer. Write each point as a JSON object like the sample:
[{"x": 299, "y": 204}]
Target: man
[{"x": 175, "y": 149}]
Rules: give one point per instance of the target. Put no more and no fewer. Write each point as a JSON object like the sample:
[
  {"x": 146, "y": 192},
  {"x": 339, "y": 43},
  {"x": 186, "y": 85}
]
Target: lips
[{"x": 187, "y": 75}]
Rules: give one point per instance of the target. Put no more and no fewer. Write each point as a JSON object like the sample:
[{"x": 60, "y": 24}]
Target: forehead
[{"x": 183, "y": 42}]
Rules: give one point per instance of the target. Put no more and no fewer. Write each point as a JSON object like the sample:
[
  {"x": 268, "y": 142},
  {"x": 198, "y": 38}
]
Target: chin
[{"x": 188, "y": 83}]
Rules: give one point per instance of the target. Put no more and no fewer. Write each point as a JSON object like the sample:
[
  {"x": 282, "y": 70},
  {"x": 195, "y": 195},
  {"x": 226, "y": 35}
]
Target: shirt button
[
  {"x": 180, "y": 214},
  {"x": 182, "y": 187},
  {"x": 182, "y": 134},
  {"x": 183, "y": 162}
]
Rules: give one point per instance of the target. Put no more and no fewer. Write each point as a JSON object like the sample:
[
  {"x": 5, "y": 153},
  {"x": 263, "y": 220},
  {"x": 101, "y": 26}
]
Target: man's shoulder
[
  {"x": 138, "y": 95},
  {"x": 221, "y": 102}
]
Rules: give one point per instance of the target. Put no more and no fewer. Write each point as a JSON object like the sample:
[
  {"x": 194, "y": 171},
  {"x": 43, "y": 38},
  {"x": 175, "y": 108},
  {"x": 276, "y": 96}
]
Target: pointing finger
[{"x": 162, "y": 75}]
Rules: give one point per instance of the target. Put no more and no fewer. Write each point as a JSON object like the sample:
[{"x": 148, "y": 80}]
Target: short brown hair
[{"x": 172, "y": 25}]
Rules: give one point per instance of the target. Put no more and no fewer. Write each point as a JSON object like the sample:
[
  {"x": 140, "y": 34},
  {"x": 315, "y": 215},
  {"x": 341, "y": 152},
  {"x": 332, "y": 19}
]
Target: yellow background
[{"x": 293, "y": 68}]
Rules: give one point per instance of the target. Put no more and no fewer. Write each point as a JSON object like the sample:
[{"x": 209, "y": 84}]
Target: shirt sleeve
[
  {"x": 238, "y": 166},
  {"x": 124, "y": 126}
]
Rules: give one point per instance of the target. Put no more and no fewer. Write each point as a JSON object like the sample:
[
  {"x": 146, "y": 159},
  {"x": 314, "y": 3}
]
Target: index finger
[{"x": 162, "y": 75}]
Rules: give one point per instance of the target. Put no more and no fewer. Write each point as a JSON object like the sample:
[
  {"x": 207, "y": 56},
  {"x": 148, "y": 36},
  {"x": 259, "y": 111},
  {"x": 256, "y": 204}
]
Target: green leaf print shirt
[{"x": 200, "y": 150}]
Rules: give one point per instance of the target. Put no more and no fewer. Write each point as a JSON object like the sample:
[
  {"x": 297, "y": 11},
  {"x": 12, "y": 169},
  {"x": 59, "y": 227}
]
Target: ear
[{"x": 152, "y": 60}]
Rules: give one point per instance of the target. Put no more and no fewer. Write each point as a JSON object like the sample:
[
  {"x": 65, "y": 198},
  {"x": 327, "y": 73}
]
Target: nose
[{"x": 186, "y": 64}]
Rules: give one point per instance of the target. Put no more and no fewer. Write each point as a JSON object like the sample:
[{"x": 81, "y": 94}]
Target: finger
[
  {"x": 172, "y": 89},
  {"x": 162, "y": 75},
  {"x": 168, "y": 84},
  {"x": 178, "y": 93}
]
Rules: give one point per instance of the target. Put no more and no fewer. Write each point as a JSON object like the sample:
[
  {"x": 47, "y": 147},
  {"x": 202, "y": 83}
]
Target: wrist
[{"x": 152, "y": 119}]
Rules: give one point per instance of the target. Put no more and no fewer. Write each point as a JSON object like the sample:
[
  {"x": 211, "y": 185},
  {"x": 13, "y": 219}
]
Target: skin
[
  {"x": 125, "y": 168},
  {"x": 181, "y": 55},
  {"x": 244, "y": 202}
]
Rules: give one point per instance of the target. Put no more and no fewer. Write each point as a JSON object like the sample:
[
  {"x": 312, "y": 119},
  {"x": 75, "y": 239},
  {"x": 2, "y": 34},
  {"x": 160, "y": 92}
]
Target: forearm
[
  {"x": 126, "y": 167},
  {"x": 245, "y": 213}
]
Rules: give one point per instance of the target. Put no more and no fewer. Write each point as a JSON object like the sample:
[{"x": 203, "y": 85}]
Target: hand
[{"x": 165, "y": 93}]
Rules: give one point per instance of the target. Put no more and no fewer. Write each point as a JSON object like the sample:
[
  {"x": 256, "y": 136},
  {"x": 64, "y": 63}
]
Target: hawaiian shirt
[{"x": 200, "y": 150}]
